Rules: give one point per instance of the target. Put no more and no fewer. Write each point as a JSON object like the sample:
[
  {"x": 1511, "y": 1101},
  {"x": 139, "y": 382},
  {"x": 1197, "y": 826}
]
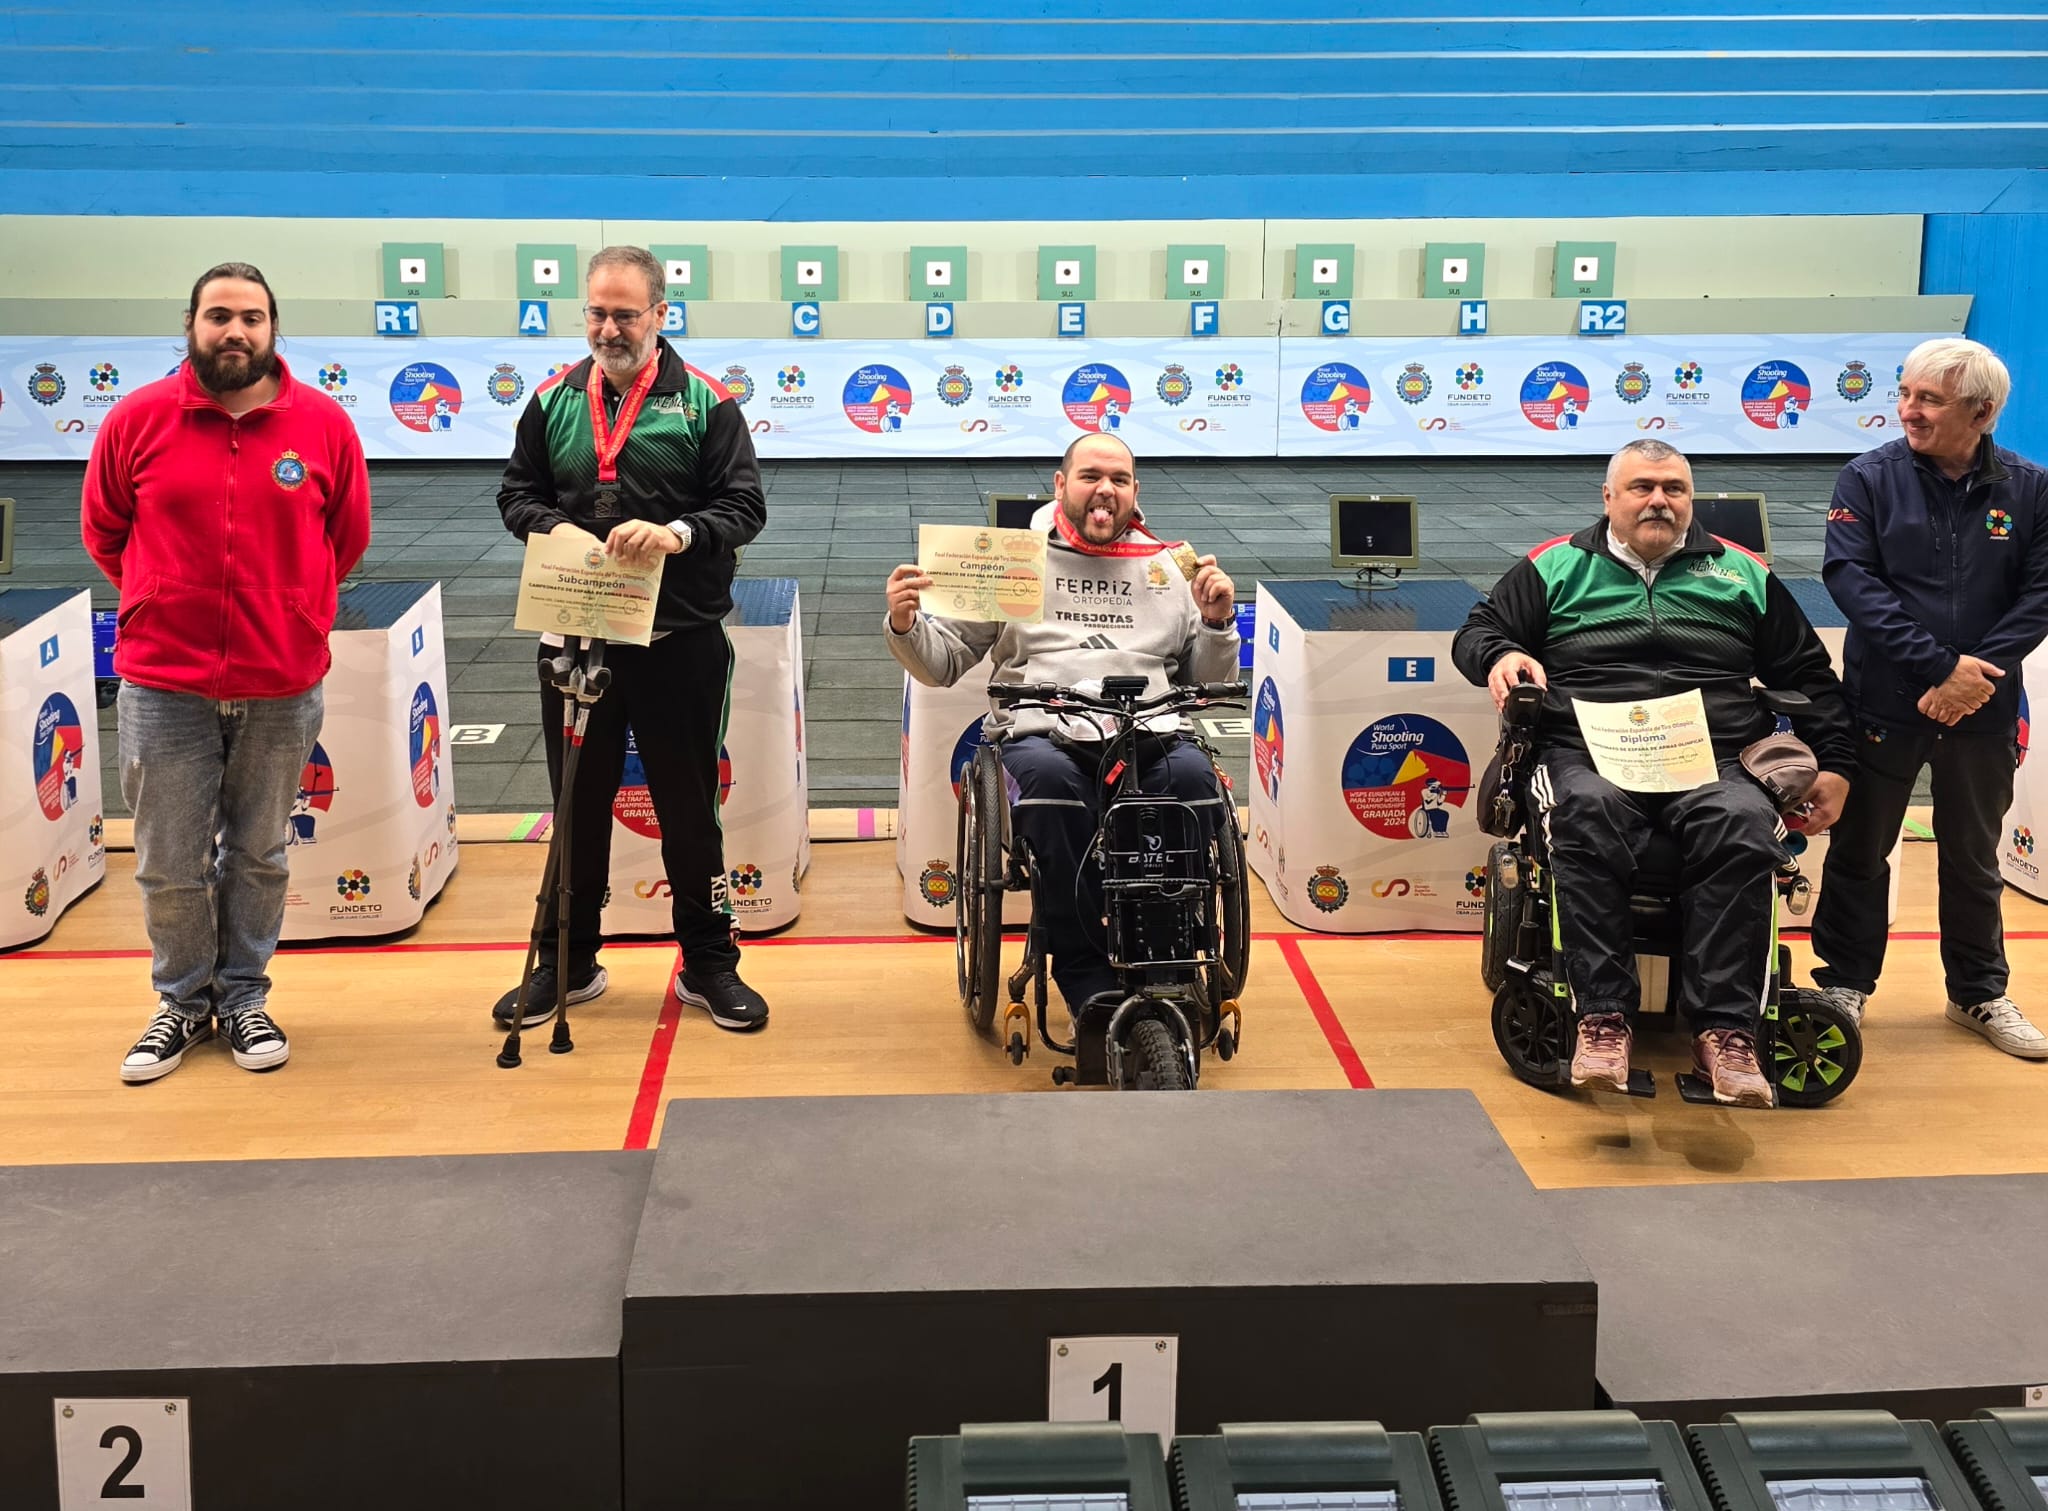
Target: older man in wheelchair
[
  {"x": 1644, "y": 621},
  {"x": 1128, "y": 619}
]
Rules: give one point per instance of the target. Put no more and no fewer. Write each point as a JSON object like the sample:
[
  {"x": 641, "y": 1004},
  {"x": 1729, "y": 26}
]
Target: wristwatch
[
  {"x": 683, "y": 532},
  {"x": 1220, "y": 624}
]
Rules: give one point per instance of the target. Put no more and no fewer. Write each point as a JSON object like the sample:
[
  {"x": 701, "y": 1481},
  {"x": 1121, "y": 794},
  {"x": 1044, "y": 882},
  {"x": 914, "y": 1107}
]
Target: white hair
[
  {"x": 1973, "y": 367},
  {"x": 1648, "y": 448}
]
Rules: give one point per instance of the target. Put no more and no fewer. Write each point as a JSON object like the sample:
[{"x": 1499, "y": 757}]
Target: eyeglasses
[
  {"x": 624, "y": 319},
  {"x": 1644, "y": 488}
]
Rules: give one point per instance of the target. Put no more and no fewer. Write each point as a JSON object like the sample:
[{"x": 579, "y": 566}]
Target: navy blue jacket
[{"x": 1926, "y": 570}]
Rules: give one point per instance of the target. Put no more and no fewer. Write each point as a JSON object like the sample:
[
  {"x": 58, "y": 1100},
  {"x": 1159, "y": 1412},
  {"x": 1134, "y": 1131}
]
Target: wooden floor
[{"x": 393, "y": 1052}]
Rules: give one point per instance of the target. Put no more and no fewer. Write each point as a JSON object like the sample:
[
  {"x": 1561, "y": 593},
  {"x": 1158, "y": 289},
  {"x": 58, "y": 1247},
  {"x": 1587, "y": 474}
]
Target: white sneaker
[
  {"x": 1846, "y": 999},
  {"x": 2004, "y": 1025}
]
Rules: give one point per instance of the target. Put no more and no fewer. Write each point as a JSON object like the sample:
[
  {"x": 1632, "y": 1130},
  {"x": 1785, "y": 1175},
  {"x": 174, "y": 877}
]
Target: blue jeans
[{"x": 211, "y": 787}]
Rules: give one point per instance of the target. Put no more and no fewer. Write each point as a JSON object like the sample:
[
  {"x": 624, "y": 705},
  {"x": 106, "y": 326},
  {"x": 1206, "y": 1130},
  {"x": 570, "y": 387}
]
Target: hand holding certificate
[
  {"x": 1657, "y": 745},
  {"x": 572, "y": 587},
  {"x": 985, "y": 574}
]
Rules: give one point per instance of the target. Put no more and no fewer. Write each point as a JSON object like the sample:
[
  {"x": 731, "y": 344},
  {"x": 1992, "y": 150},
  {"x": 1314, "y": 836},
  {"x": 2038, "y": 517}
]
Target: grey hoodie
[{"x": 1105, "y": 616}]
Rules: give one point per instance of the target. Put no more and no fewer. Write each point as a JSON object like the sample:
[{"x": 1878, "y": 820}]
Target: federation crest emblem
[
  {"x": 738, "y": 386},
  {"x": 412, "y": 881},
  {"x": 289, "y": 472},
  {"x": 955, "y": 387},
  {"x": 1688, "y": 376},
  {"x": 103, "y": 376},
  {"x": 594, "y": 558},
  {"x": 1413, "y": 385},
  {"x": 45, "y": 384},
  {"x": 1998, "y": 524},
  {"x": 37, "y": 898},
  {"x": 935, "y": 884},
  {"x": 1854, "y": 382},
  {"x": 353, "y": 885},
  {"x": 1175, "y": 386},
  {"x": 1633, "y": 385},
  {"x": 505, "y": 385},
  {"x": 1639, "y": 715},
  {"x": 1327, "y": 890},
  {"x": 746, "y": 880}
]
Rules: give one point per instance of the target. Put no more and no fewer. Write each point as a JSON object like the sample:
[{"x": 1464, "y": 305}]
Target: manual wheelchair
[
  {"x": 1810, "y": 1049},
  {"x": 1177, "y": 912}
]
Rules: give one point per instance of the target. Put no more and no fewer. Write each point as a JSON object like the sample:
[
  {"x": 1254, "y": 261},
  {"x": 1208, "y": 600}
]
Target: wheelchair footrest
[{"x": 1700, "y": 1092}]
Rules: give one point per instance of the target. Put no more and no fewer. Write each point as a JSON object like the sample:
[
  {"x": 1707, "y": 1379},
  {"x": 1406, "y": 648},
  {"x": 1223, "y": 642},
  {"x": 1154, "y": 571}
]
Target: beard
[
  {"x": 621, "y": 361},
  {"x": 226, "y": 369}
]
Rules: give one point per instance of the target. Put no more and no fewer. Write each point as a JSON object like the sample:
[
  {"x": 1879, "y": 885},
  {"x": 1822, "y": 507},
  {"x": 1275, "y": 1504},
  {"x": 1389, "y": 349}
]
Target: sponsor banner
[
  {"x": 460, "y": 397},
  {"x": 763, "y": 786},
  {"x": 52, "y": 833},
  {"x": 2023, "y": 843},
  {"x": 371, "y": 837},
  {"x": 1536, "y": 396}
]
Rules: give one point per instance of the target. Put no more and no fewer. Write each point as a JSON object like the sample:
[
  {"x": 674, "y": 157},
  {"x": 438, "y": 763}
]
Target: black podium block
[
  {"x": 1914, "y": 1296},
  {"x": 427, "y": 1332},
  {"x": 819, "y": 1279}
]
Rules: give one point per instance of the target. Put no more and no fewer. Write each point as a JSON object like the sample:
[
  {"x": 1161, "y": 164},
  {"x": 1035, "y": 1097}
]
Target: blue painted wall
[
  {"x": 2003, "y": 261},
  {"x": 1159, "y": 108}
]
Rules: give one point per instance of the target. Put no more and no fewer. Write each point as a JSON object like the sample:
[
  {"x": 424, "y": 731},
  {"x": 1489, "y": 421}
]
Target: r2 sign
[
  {"x": 128, "y": 1453},
  {"x": 1603, "y": 317}
]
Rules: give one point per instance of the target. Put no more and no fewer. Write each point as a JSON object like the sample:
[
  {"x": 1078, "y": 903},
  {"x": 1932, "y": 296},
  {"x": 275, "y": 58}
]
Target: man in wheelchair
[
  {"x": 1644, "y": 604},
  {"x": 1119, "y": 602}
]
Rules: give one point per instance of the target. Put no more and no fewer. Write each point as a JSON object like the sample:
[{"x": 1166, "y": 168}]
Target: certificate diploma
[
  {"x": 571, "y": 587},
  {"x": 1655, "y": 745},
  {"x": 989, "y": 575}
]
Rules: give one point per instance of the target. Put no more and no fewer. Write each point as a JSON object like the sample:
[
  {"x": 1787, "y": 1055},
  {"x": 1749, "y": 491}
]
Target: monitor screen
[
  {"x": 6, "y": 536},
  {"x": 2041, "y": 1484},
  {"x": 1052, "y": 1500},
  {"x": 1587, "y": 1495},
  {"x": 1739, "y": 517},
  {"x": 1013, "y": 511},
  {"x": 1854, "y": 1493},
  {"x": 1378, "y": 528},
  {"x": 1319, "y": 1500}
]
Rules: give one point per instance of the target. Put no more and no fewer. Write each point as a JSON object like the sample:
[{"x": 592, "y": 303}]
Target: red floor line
[
  {"x": 1326, "y": 1016},
  {"x": 654, "y": 1074},
  {"x": 453, "y": 948}
]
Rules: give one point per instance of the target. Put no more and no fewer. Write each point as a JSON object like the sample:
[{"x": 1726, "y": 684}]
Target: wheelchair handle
[
  {"x": 1783, "y": 700},
  {"x": 1008, "y": 694}
]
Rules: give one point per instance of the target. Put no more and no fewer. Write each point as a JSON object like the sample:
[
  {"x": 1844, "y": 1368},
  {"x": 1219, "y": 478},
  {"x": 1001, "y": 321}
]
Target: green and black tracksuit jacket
[
  {"x": 688, "y": 457},
  {"x": 1715, "y": 619}
]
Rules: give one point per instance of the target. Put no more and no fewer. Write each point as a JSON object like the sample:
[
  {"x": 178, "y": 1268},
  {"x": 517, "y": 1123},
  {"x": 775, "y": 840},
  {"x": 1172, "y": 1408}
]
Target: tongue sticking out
[{"x": 1100, "y": 516}]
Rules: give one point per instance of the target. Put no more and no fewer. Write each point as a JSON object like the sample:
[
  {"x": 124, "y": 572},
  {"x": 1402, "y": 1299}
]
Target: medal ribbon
[
  {"x": 1149, "y": 545},
  {"x": 608, "y": 441}
]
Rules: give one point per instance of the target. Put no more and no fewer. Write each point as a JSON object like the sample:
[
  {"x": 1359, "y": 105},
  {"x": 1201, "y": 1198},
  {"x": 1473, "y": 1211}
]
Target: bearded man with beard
[
  {"x": 1643, "y": 603},
  {"x": 226, "y": 503}
]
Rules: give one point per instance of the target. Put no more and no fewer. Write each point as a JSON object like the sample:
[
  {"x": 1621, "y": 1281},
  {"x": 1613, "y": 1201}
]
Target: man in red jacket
[{"x": 226, "y": 502}]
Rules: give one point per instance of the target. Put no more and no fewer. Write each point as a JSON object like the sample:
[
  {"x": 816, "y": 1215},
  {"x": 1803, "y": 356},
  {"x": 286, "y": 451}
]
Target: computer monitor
[
  {"x": 1566, "y": 1461},
  {"x": 1013, "y": 511},
  {"x": 1024, "y": 1466},
  {"x": 1828, "y": 1461},
  {"x": 2004, "y": 1450},
  {"x": 1740, "y": 517},
  {"x": 6, "y": 536},
  {"x": 1331, "y": 1466},
  {"x": 1374, "y": 530}
]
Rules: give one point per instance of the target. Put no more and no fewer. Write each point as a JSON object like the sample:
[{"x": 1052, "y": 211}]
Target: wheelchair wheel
[
  {"x": 1816, "y": 1050},
  {"x": 1533, "y": 1030},
  {"x": 1233, "y": 916},
  {"x": 978, "y": 909},
  {"x": 1152, "y": 1059},
  {"x": 1503, "y": 917}
]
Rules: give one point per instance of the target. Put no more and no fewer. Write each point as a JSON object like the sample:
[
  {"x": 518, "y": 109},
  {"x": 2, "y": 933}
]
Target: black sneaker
[
  {"x": 258, "y": 1043},
  {"x": 730, "y": 1001},
  {"x": 163, "y": 1044},
  {"x": 540, "y": 1001}
]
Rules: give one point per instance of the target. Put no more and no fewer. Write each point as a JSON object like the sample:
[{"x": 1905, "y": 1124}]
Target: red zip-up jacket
[{"x": 227, "y": 536}]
